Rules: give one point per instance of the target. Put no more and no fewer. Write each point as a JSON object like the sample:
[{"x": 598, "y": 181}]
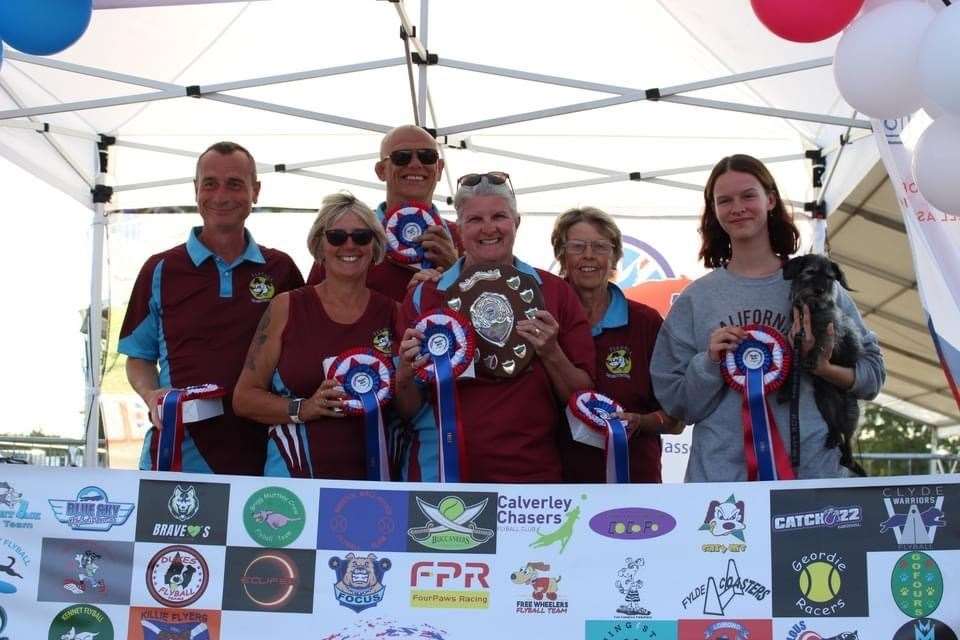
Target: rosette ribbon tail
[
  {"x": 766, "y": 456},
  {"x": 449, "y": 433},
  {"x": 617, "y": 452},
  {"x": 170, "y": 437},
  {"x": 378, "y": 461}
]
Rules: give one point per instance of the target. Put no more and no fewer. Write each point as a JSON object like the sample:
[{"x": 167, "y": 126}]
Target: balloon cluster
[
  {"x": 897, "y": 57},
  {"x": 43, "y": 27}
]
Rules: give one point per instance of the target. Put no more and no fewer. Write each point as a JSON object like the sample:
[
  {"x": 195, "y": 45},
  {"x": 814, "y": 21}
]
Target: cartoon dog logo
[
  {"x": 359, "y": 583},
  {"x": 725, "y": 518},
  {"x": 381, "y": 340},
  {"x": 541, "y": 585},
  {"x": 183, "y": 503},
  {"x": 9, "y": 496},
  {"x": 619, "y": 361},
  {"x": 261, "y": 287}
]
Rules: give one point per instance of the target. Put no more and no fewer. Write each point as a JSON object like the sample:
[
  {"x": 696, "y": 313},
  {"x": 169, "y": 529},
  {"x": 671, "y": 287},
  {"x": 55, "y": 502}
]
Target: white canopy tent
[{"x": 622, "y": 105}]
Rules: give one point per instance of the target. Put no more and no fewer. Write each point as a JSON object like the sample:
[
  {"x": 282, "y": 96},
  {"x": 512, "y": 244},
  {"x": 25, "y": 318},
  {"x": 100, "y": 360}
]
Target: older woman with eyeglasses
[
  {"x": 588, "y": 245},
  {"x": 509, "y": 425},
  {"x": 283, "y": 382}
]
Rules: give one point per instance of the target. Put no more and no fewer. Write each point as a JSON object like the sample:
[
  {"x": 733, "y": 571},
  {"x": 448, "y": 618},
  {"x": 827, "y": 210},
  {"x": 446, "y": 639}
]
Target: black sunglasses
[
  {"x": 338, "y": 237},
  {"x": 402, "y": 157},
  {"x": 493, "y": 177}
]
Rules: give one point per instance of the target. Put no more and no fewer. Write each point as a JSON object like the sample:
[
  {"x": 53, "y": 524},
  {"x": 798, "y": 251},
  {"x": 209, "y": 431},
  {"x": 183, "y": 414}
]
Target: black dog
[{"x": 813, "y": 279}]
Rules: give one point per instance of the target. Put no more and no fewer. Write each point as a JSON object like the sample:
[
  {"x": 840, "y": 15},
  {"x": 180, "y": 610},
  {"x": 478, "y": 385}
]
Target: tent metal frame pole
[
  {"x": 95, "y": 320},
  {"x": 422, "y": 85},
  {"x": 84, "y": 105},
  {"x": 768, "y": 111},
  {"x": 47, "y": 127},
  {"x": 334, "y": 178},
  {"x": 302, "y": 75},
  {"x": 298, "y": 113}
]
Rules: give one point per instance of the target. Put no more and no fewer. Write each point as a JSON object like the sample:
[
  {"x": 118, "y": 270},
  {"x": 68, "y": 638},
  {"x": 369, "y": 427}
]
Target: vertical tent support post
[
  {"x": 101, "y": 195},
  {"x": 422, "y": 77},
  {"x": 935, "y": 466}
]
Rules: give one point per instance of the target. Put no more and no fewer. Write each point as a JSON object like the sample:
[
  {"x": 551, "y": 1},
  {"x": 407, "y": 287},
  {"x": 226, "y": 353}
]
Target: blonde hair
[{"x": 334, "y": 207}]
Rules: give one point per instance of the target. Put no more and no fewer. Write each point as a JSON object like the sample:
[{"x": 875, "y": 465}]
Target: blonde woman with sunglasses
[{"x": 283, "y": 382}]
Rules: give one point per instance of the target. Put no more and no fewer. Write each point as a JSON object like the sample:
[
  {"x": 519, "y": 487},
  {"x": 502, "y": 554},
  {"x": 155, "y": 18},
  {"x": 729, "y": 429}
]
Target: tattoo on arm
[{"x": 259, "y": 339}]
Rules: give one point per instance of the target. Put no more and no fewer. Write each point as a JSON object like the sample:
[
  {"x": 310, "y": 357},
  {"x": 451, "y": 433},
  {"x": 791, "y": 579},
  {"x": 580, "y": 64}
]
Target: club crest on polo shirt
[
  {"x": 619, "y": 363},
  {"x": 381, "y": 340},
  {"x": 262, "y": 288}
]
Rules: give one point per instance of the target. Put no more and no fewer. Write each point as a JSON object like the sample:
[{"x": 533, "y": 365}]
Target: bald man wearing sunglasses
[{"x": 411, "y": 166}]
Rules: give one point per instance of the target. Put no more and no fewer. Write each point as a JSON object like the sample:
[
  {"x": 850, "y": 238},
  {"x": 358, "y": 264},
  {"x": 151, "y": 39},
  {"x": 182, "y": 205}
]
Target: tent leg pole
[
  {"x": 935, "y": 467},
  {"x": 422, "y": 80},
  {"x": 95, "y": 321}
]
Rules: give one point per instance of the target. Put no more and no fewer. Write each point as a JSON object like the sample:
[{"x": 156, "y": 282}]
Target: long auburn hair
[{"x": 715, "y": 247}]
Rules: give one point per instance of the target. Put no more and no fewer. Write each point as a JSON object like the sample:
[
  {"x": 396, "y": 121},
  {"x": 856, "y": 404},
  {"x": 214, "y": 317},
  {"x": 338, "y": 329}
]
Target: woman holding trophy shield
[{"x": 533, "y": 349}]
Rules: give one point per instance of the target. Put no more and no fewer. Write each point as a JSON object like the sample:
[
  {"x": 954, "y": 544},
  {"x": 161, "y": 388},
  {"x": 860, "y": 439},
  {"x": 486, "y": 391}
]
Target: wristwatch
[{"x": 293, "y": 410}]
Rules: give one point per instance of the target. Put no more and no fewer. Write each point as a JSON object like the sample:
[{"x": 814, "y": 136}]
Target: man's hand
[
  {"x": 151, "y": 398},
  {"x": 438, "y": 246}
]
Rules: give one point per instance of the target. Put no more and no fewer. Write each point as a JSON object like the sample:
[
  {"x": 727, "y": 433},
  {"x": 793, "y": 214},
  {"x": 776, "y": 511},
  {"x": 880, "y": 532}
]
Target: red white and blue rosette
[
  {"x": 449, "y": 346},
  {"x": 367, "y": 380},
  {"x": 756, "y": 368},
  {"x": 403, "y": 226},
  {"x": 593, "y": 421},
  {"x": 176, "y": 408}
]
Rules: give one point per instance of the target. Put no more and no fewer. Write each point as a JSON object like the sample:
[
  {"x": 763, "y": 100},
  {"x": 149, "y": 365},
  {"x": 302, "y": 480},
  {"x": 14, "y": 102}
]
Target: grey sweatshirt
[{"x": 690, "y": 386}]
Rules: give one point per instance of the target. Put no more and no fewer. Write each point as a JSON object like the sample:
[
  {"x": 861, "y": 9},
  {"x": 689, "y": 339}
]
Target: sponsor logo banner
[
  {"x": 185, "y": 512},
  {"x": 91, "y": 510},
  {"x": 726, "y": 630},
  {"x": 177, "y": 576},
  {"x": 543, "y": 593},
  {"x": 719, "y": 595},
  {"x": 148, "y": 623},
  {"x": 827, "y": 583},
  {"x": 358, "y": 520},
  {"x": 631, "y": 630},
  {"x": 97, "y": 571},
  {"x": 81, "y": 622},
  {"x": 269, "y": 580},
  {"x": 446, "y": 584},
  {"x": 15, "y": 510},
  {"x": 456, "y": 522},
  {"x": 925, "y": 629},
  {"x": 633, "y": 523},
  {"x": 801, "y": 631},
  {"x": 916, "y": 584},
  {"x": 274, "y": 517},
  {"x": 726, "y": 522},
  {"x": 359, "y": 582},
  {"x": 13, "y": 570}
]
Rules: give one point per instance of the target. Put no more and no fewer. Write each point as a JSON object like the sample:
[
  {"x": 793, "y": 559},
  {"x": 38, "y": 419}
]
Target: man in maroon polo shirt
[
  {"x": 411, "y": 166},
  {"x": 195, "y": 307}
]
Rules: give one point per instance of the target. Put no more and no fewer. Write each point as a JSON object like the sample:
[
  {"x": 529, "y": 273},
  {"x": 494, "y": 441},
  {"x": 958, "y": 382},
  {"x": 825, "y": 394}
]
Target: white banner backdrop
[{"x": 98, "y": 555}]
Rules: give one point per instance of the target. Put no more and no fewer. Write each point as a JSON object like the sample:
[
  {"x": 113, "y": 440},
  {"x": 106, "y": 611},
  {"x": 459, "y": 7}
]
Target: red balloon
[{"x": 806, "y": 20}]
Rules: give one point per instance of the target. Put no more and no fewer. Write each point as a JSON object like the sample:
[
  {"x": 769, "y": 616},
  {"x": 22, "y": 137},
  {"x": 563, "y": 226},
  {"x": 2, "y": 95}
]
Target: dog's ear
[
  {"x": 839, "y": 277},
  {"x": 793, "y": 267}
]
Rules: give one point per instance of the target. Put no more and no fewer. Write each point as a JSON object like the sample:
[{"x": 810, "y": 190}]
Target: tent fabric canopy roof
[{"x": 507, "y": 59}]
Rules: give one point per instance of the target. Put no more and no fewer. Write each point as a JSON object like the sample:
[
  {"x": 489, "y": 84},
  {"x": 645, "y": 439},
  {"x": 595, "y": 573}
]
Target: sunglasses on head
[
  {"x": 402, "y": 157},
  {"x": 493, "y": 177},
  {"x": 338, "y": 237}
]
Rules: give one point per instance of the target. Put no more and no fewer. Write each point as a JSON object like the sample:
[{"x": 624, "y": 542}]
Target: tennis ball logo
[
  {"x": 451, "y": 507},
  {"x": 820, "y": 581}
]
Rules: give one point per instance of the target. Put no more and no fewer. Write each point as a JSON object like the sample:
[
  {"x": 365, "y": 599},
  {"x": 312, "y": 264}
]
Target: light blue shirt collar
[
  {"x": 199, "y": 252},
  {"x": 453, "y": 273},
  {"x": 616, "y": 314}
]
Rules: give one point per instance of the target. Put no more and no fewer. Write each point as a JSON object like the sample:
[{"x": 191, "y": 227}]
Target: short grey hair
[
  {"x": 601, "y": 221},
  {"x": 334, "y": 207},
  {"x": 485, "y": 188}
]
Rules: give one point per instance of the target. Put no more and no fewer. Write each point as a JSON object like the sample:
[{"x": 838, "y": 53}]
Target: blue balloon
[{"x": 42, "y": 28}]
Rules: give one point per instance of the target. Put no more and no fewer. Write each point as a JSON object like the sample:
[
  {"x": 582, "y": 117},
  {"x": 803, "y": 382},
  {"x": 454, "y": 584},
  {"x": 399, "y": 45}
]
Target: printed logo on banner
[
  {"x": 97, "y": 571},
  {"x": 722, "y": 519},
  {"x": 800, "y": 631},
  {"x": 81, "y": 622},
  {"x": 92, "y": 510},
  {"x": 926, "y": 629},
  {"x": 359, "y": 582},
  {"x": 148, "y": 623},
  {"x": 726, "y": 630},
  {"x": 629, "y": 583},
  {"x": 274, "y": 517},
  {"x": 633, "y": 523},
  {"x": 369, "y": 520},
  {"x": 914, "y": 514},
  {"x": 916, "y": 584},
  {"x": 15, "y": 509},
  {"x": 454, "y": 522},
  {"x": 3, "y": 623},
  {"x": 527, "y": 514},
  {"x": 820, "y": 584},
  {"x": 631, "y": 630},
  {"x": 449, "y": 585},
  {"x": 561, "y": 534},
  {"x": 715, "y": 596},
  {"x": 177, "y": 576},
  {"x": 194, "y": 512},
  {"x": 11, "y": 572},
  {"x": 543, "y": 586},
  {"x": 387, "y": 628},
  {"x": 826, "y": 518},
  {"x": 269, "y": 580}
]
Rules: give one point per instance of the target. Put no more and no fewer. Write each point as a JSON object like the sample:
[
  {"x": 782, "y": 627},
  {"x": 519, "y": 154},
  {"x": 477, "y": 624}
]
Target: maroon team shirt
[
  {"x": 511, "y": 426},
  {"x": 624, "y": 340},
  {"x": 195, "y": 315},
  {"x": 336, "y": 445}
]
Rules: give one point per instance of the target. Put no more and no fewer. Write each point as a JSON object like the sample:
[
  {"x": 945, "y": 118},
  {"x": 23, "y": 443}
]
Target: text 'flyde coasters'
[
  {"x": 403, "y": 226},
  {"x": 756, "y": 368},
  {"x": 449, "y": 345},
  {"x": 495, "y": 296},
  {"x": 593, "y": 421},
  {"x": 367, "y": 378}
]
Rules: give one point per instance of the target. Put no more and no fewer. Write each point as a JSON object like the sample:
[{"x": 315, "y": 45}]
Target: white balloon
[
  {"x": 938, "y": 64},
  {"x": 876, "y": 59},
  {"x": 936, "y": 164}
]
